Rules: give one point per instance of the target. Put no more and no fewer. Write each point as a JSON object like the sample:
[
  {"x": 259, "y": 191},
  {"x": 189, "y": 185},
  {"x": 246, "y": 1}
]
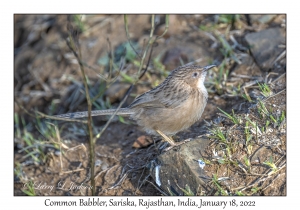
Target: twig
[
  {"x": 162, "y": 192},
  {"x": 278, "y": 78},
  {"x": 166, "y": 27},
  {"x": 273, "y": 95},
  {"x": 95, "y": 70},
  {"x": 71, "y": 46},
  {"x": 267, "y": 76},
  {"x": 120, "y": 181},
  {"x": 113, "y": 115},
  {"x": 150, "y": 43},
  {"x": 243, "y": 76},
  {"x": 111, "y": 82},
  {"x": 106, "y": 170},
  {"x": 279, "y": 57},
  {"x": 128, "y": 36},
  {"x": 123, "y": 177},
  {"x": 75, "y": 170},
  {"x": 24, "y": 109},
  {"x": 73, "y": 148},
  {"x": 105, "y": 156},
  {"x": 40, "y": 81},
  {"x": 236, "y": 43}
]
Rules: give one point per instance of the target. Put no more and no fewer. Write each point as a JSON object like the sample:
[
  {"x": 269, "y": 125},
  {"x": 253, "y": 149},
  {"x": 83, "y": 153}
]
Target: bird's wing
[{"x": 159, "y": 99}]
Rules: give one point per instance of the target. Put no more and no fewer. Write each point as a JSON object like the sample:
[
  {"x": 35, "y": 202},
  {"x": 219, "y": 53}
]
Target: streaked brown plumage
[{"x": 172, "y": 106}]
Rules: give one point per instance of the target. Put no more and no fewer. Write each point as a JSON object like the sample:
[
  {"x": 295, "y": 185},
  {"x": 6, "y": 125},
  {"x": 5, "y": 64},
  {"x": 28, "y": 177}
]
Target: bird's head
[{"x": 192, "y": 75}]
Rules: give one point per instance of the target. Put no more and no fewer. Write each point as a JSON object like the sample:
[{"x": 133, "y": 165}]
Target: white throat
[{"x": 202, "y": 88}]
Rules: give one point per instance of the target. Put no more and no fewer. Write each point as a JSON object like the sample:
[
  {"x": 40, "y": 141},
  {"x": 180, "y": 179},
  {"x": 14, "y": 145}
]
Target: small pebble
[
  {"x": 216, "y": 98},
  {"x": 98, "y": 163},
  {"x": 57, "y": 153}
]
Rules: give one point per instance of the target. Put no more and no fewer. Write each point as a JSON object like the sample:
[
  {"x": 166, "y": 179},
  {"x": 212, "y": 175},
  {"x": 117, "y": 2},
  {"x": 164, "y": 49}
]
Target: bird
[{"x": 172, "y": 106}]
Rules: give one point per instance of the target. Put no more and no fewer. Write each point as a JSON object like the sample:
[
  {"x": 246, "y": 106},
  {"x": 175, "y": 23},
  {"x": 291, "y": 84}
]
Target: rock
[
  {"x": 142, "y": 141},
  {"x": 247, "y": 67},
  {"x": 262, "y": 18},
  {"x": 264, "y": 46},
  {"x": 179, "y": 167}
]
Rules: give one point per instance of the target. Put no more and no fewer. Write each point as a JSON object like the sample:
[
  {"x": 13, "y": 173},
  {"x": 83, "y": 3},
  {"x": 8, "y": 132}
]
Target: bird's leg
[
  {"x": 168, "y": 139},
  {"x": 171, "y": 141},
  {"x": 177, "y": 144}
]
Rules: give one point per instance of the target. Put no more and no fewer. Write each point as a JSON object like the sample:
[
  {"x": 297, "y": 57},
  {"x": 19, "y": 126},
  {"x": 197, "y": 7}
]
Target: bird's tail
[{"x": 122, "y": 111}]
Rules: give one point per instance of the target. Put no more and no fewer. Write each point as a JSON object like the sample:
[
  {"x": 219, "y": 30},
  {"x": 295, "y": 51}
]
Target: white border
[{"x": 154, "y": 6}]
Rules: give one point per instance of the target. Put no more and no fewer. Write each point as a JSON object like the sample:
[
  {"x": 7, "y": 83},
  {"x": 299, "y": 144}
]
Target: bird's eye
[{"x": 195, "y": 74}]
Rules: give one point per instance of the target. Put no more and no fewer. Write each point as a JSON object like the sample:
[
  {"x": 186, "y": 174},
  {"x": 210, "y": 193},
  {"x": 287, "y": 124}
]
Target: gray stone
[
  {"x": 247, "y": 67},
  {"x": 262, "y": 18},
  {"x": 264, "y": 46},
  {"x": 179, "y": 167}
]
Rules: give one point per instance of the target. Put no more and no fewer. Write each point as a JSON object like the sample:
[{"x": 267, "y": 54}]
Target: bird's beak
[{"x": 208, "y": 67}]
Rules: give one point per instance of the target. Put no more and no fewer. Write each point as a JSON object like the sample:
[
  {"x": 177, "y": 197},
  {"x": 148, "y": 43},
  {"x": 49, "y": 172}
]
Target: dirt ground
[{"x": 47, "y": 78}]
